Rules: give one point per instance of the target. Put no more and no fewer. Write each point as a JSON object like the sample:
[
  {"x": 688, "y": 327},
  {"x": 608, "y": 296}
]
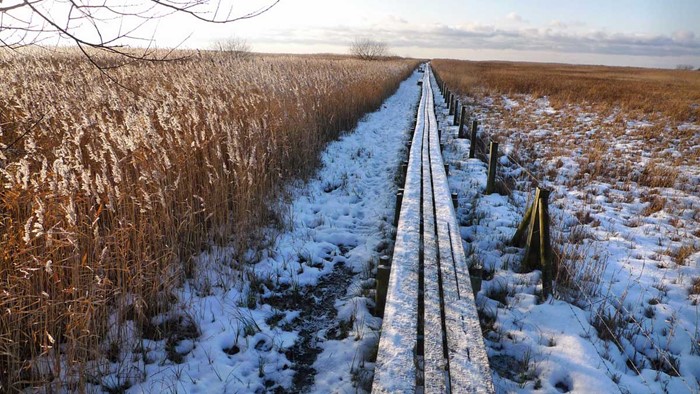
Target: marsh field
[
  {"x": 619, "y": 148},
  {"x": 174, "y": 226}
]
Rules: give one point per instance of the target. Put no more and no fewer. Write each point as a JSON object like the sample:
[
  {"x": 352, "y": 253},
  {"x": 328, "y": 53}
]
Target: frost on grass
[
  {"x": 298, "y": 316},
  {"x": 625, "y": 233}
]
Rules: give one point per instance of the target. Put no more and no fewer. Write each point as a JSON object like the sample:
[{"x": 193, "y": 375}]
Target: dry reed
[{"x": 107, "y": 194}]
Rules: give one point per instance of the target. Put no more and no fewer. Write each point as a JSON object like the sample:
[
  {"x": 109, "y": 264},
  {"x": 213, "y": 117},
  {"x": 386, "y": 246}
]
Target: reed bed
[{"x": 108, "y": 191}]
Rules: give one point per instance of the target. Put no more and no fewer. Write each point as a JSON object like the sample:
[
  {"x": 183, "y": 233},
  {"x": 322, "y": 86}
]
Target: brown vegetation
[
  {"x": 607, "y": 119},
  {"x": 675, "y": 93},
  {"x": 107, "y": 194}
]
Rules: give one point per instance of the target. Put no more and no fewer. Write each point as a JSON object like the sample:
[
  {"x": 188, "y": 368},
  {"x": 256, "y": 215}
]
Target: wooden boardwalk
[{"x": 431, "y": 339}]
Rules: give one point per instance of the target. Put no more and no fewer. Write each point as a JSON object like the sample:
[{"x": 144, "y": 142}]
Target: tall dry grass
[
  {"x": 108, "y": 194},
  {"x": 674, "y": 93}
]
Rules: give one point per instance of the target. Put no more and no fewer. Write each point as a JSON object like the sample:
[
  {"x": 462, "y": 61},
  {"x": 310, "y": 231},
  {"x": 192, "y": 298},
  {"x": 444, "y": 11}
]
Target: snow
[
  {"x": 395, "y": 367},
  {"x": 627, "y": 266},
  {"x": 446, "y": 282},
  {"x": 248, "y": 326},
  {"x": 246, "y": 339}
]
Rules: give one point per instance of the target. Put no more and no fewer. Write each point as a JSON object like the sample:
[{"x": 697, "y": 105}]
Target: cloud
[
  {"x": 514, "y": 17},
  {"x": 480, "y": 36},
  {"x": 398, "y": 20},
  {"x": 558, "y": 24},
  {"x": 683, "y": 36}
]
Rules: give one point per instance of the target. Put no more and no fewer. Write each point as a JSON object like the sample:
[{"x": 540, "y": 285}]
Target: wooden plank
[
  {"x": 435, "y": 363},
  {"x": 395, "y": 369},
  {"x": 468, "y": 361},
  {"x": 450, "y": 321}
]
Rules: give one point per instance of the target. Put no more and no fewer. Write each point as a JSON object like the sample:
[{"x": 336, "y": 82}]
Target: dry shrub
[
  {"x": 578, "y": 269},
  {"x": 695, "y": 287},
  {"x": 107, "y": 194},
  {"x": 655, "y": 203},
  {"x": 674, "y": 93},
  {"x": 658, "y": 175},
  {"x": 681, "y": 255}
]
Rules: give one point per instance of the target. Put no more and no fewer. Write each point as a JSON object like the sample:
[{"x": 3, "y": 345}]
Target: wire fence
[{"x": 522, "y": 179}]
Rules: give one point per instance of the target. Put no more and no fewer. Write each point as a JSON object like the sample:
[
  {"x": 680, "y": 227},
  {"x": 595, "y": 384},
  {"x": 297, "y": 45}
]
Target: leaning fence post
[
  {"x": 493, "y": 163},
  {"x": 462, "y": 118},
  {"x": 515, "y": 241},
  {"x": 472, "y": 143},
  {"x": 531, "y": 246},
  {"x": 545, "y": 247}
]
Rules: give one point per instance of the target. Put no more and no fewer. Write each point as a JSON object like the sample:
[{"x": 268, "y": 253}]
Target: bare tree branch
[{"x": 85, "y": 22}]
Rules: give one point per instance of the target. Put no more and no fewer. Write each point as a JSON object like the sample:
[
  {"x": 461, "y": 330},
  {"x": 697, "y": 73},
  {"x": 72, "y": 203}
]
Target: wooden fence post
[
  {"x": 493, "y": 163},
  {"x": 538, "y": 248},
  {"x": 456, "y": 118},
  {"x": 545, "y": 246},
  {"x": 472, "y": 144},
  {"x": 397, "y": 211},
  {"x": 385, "y": 261},
  {"x": 455, "y": 202},
  {"x": 447, "y": 169},
  {"x": 532, "y": 248},
  {"x": 517, "y": 237},
  {"x": 404, "y": 171},
  {"x": 462, "y": 118},
  {"x": 383, "y": 272},
  {"x": 453, "y": 99},
  {"x": 475, "y": 277}
]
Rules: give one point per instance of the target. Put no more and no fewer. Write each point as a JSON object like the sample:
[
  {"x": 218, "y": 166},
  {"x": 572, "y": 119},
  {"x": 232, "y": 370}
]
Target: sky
[
  {"x": 621, "y": 32},
  {"x": 647, "y": 33}
]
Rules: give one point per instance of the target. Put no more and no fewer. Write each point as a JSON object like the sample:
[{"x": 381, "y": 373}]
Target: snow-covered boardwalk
[{"x": 431, "y": 340}]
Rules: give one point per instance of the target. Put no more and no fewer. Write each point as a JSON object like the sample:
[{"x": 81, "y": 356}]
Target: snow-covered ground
[
  {"x": 624, "y": 317},
  {"x": 297, "y": 318}
]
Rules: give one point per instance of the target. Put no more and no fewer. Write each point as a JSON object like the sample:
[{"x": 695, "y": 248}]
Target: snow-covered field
[
  {"x": 298, "y": 318},
  {"x": 625, "y": 230}
]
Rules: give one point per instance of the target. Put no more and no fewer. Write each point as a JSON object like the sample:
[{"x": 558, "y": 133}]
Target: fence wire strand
[{"x": 484, "y": 140}]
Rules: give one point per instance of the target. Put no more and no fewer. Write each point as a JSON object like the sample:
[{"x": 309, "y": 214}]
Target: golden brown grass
[
  {"x": 607, "y": 119},
  {"x": 674, "y": 93},
  {"x": 107, "y": 195}
]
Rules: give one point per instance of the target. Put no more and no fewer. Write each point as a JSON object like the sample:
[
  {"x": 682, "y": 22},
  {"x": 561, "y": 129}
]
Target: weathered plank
[
  {"x": 430, "y": 305},
  {"x": 395, "y": 369},
  {"x": 436, "y": 375},
  {"x": 468, "y": 362}
]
